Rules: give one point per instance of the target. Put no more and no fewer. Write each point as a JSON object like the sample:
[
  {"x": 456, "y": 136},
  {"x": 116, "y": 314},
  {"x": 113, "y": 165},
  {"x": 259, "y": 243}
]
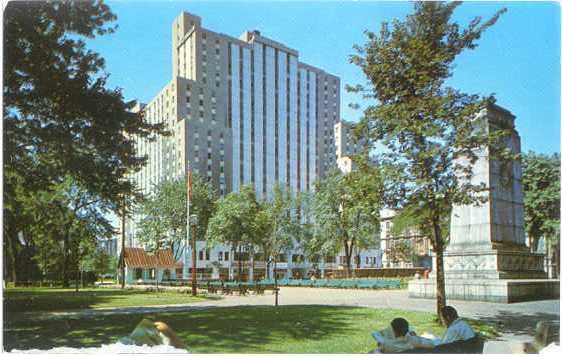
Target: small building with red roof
[{"x": 144, "y": 267}]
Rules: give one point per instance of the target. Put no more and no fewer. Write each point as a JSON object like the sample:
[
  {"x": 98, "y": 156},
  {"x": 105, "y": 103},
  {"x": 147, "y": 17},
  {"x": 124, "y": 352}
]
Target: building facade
[
  {"x": 240, "y": 111},
  {"x": 406, "y": 250}
]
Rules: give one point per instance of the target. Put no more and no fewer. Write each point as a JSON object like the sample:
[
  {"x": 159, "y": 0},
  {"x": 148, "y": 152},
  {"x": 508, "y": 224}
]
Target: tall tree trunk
[
  {"x": 66, "y": 261},
  {"x": 276, "y": 287},
  {"x": 123, "y": 246},
  {"x": 230, "y": 262},
  {"x": 11, "y": 253},
  {"x": 556, "y": 259},
  {"x": 348, "y": 255},
  {"x": 252, "y": 264},
  {"x": 240, "y": 263},
  {"x": 77, "y": 276},
  {"x": 439, "y": 269}
]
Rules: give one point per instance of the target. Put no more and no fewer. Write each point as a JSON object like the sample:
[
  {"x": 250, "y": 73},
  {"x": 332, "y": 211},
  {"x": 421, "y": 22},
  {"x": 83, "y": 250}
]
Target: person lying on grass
[
  {"x": 400, "y": 337},
  {"x": 152, "y": 333}
]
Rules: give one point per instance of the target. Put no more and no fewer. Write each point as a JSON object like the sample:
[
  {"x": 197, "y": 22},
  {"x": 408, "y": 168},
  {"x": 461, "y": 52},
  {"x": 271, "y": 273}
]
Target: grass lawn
[
  {"x": 58, "y": 299},
  {"x": 249, "y": 329}
]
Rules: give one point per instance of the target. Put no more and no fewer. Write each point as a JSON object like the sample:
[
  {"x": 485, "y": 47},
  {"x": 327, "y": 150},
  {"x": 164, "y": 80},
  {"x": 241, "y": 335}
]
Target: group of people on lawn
[{"x": 400, "y": 337}]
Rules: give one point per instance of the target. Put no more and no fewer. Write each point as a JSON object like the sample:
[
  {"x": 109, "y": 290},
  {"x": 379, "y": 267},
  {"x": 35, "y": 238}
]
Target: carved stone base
[
  {"x": 493, "y": 264},
  {"x": 488, "y": 290}
]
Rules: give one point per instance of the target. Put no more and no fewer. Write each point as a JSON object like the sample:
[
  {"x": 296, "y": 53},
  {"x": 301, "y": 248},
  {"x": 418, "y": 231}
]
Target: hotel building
[{"x": 240, "y": 111}]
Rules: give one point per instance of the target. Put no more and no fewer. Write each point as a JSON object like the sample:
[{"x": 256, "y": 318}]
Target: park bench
[
  {"x": 242, "y": 289},
  {"x": 211, "y": 288},
  {"x": 259, "y": 289}
]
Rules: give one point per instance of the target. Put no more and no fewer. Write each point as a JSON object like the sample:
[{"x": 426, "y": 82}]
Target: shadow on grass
[
  {"x": 45, "y": 299},
  {"x": 248, "y": 329},
  {"x": 229, "y": 329}
]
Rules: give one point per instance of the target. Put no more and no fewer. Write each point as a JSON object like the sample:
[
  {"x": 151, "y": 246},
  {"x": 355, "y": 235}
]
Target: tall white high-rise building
[{"x": 241, "y": 111}]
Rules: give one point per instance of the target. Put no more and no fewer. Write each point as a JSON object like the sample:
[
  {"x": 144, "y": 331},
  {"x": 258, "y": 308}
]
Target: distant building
[
  {"x": 110, "y": 246},
  {"x": 409, "y": 249},
  {"x": 346, "y": 147}
]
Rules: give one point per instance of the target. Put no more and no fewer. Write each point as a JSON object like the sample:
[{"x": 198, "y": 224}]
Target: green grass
[
  {"x": 58, "y": 299},
  {"x": 257, "y": 329}
]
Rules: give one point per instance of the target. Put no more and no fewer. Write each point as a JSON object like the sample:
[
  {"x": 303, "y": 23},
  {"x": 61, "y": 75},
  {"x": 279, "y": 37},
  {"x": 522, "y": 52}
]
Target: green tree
[
  {"x": 60, "y": 120},
  {"x": 62, "y": 224},
  {"x": 278, "y": 224},
  {"x": 424, "y": 125},
  {"x": 164, "y": 213},
  {"x": 346, "y": 212},
  {"x": 541, "y": 187},
  {"x": 102, "y": 263},
  {"x": 235, "y": 221}
]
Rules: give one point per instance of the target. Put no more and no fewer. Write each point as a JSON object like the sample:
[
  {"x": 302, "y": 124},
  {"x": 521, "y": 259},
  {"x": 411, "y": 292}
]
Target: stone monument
[{"x": 486, "y": 258}]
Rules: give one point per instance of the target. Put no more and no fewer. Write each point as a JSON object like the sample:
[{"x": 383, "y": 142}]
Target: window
[
  {"x": 201, "y": 255},
  {"x": 226, "y": 255},
  {"x": 298, "y": 258},
  {"x": 138, "y": 273},
  {"x": 207, "y": 254},
  {"x": 220, "y": 255}
]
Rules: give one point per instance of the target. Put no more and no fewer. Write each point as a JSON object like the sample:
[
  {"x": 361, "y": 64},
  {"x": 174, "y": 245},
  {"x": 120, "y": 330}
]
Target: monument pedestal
[
  {"x": 488, "y": 290},
  {"x": 487, "y": 258},
  {"x": 500, "y": 276}
]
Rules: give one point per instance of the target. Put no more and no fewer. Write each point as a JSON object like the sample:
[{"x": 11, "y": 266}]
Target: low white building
[{"x": 144, "y": 267}]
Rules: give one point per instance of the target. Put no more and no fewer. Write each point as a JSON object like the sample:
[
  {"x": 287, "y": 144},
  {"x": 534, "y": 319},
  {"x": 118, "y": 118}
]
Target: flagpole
[
  {"x": 185, "y": 267},
  {"x": 193, "y": 240}
]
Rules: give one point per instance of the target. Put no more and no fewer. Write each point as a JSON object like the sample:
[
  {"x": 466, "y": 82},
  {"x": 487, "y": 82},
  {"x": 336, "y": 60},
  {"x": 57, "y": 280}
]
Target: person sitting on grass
[
  {"x": 457, "y": 329},
  {"x": 400, "y": 338}
]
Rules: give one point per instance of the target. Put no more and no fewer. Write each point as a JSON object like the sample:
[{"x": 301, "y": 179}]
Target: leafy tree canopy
[
  {"x": 164, "y": 213},
  {"x": 541, "y": 187},
  {"x": 346, "y": 211},
  {"x": 430, "y": 131},
  {"x": 59, "y": 118}
]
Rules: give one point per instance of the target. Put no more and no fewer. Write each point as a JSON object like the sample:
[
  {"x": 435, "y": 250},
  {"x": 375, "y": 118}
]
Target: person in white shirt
[
  {"x": 457, "y": 329},
  {"x": 402, "y": 338}
]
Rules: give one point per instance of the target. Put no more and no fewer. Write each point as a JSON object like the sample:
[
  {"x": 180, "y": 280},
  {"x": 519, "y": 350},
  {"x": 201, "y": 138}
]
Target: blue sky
[{"x": 518, "y": 59}]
